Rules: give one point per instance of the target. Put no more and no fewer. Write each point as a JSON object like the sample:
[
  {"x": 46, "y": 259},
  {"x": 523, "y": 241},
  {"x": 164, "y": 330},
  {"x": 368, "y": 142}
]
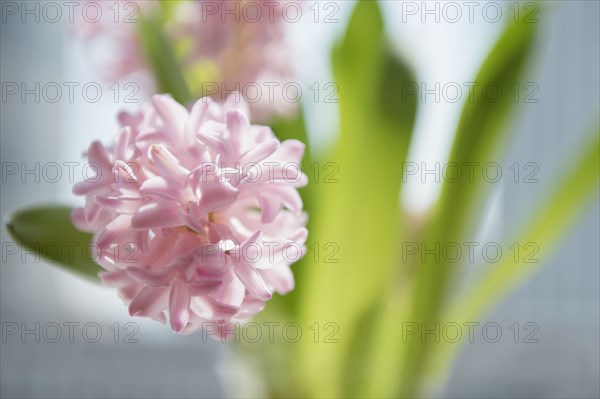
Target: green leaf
[
  {"x": 481, "y": 133},
  {"x": 48, "y": 231},
  {"x": 482, "y": 128},
  {"x": 162, "y": 60},
  {"x": 169, "y": 9},
  {"x": 570, "y": 198},
  {"x": 357, "y": 215}
]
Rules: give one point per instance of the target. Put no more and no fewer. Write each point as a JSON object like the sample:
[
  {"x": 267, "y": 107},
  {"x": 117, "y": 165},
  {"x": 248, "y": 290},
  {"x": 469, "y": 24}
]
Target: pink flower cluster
[
  {"x": 204, "y": 205},
  {"x": 108, "y": 31},
  {"x": 247, "y": 47},
  {"x": 243, "y": 51}
]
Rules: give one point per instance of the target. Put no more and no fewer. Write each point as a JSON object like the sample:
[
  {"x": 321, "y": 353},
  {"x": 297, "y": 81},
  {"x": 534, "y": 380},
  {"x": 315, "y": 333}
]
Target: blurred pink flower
[
  {"x": 195, "y": 214},
  {"x": 238, "y": 50},
  {"x": 108, "y": 31},
  {"x": 247, "y": 42}
]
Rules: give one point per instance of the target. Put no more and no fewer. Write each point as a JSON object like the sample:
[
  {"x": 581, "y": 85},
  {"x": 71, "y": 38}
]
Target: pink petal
[
  {"x": 204, "y": 287},
  {"x": 197, "y": 114},
  {"x": 98, "y": 155},
  {"x": 289, "y": 196},
  {"x": 299, "y": 236},
  {"x": 149, "y": 302},
  {"x": 211, "y": 264},
  {"x": 253, "y": 239},
  {"x": 160, "y": 317},
  {"x": 201, "y": 174},
  {"x": 153, "y": 134},
  {"x": 281, "y": 173},
  {"x": 186, "y": 243},
  {"x": 87, "y": 186},
  {"x": 93, "y": 211},
  {"x": 125, "y": 178},
  {"x": 269, "y": 207},
  {"x": 279, "y": 278},
  {"x": 220, "y": 232},
  {"x": 251, "y": 307},
  {"x": 117, "y": 279},
  {"x": 123, "y": 142},
  {"x": 252, "y": 280},
  {"x": 78, "y": 219},
  {"x": 290, "y": 151},
  {"x": 127, "y": 119},
  {"x": 111, "y": 233},
  {"x": 179, "y": 305},
  {"x": 119, "y": 205},
  {"x": 168, "y": 165},
  {"x": 231, "y": 292},
  {"x": 259, "y": 152},
  {"x": 153, "y": 279},
  {"x": 216, "y": 194},
  {"x": 222, "y": 311},
  {"x": 162, "y": 187},
  {"x": 172, "y": 113},
  {"x": 157, "y": 214},
  {"x": 216, "y": 142},
  {"x": 239, "y": 129}
]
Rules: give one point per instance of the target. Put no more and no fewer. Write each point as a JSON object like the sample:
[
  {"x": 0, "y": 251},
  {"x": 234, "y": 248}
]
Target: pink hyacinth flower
[
  {"x": 109, "y": 32},
  {"x": 250, "y": 53},
  {"x": 195, "y": 213},
  {"x": 246, "y": 41}
]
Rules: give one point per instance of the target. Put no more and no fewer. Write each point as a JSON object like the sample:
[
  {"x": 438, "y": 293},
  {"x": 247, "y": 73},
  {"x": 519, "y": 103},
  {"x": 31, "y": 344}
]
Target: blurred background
[{"x": 563, "y": 299}]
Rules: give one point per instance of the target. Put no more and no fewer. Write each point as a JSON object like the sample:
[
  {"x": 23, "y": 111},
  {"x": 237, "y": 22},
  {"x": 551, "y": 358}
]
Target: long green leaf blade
[
  {"x": 571, "y": 197},
  {"x": 358, "y": 215},
  {"x": 569, "y": 200},
  {"x": 480, "y": 134}
]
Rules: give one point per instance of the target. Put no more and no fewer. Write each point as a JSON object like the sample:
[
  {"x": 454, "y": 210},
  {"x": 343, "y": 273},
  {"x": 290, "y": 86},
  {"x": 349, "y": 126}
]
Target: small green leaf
[
  {"x": 48, "y": 231},
  {"x": 159, "y": 54}
]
